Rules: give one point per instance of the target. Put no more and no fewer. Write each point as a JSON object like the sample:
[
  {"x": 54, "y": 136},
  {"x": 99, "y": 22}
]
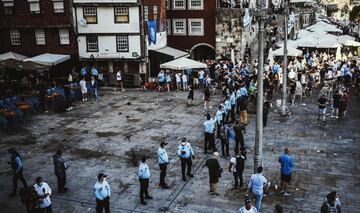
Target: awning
[
  {"x": 13, "y": 56},
  {"x": 302, "y": 1},
  {"x": 172, "y": 52},
  {"x": 290, "y": 52},
  {"x": 21, "y": 65},
  {"x": 49, "y": 59},
  {"x": 183, "y": 64}
]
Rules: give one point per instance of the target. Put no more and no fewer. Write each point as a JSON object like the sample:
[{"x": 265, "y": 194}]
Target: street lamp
[
  {"x": 283, "y": 109},
  {"x": 258, "y": 158}
]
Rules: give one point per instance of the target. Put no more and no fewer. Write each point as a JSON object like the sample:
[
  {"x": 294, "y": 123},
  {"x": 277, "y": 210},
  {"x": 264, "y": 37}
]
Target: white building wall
[
  {"x": 107, "y": 47},
  {"x": 105, "y": 1},
  {"x": 106, "y": 21}
]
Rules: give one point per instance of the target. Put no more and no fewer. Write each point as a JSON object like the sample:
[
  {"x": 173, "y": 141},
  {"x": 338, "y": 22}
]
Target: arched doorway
[{"x": 202, "y": 51}]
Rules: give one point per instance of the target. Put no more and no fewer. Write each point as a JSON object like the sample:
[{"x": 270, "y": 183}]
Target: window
[
  {"x": 179, "y": 27},
  {"x": 34, "y": 6},
  {"x": 121, "y": 14},
  {"x": 40, "y": 37},
  {"x": 58, "y": 6},
  {"x": 155, "y": 12},
  {"x": 15, "y": 37},
  {"x": 146, "y": 13},
  {"x": 64, "y": 37},
  {"x": 196, "y": 27},
  {"x": 122, "y": 43},
  {"x": 92, "y": 44},
  {"x": 179, "y": 4},
  {"x": 196, "y": 4},
  {"x": 168, "y": 26},
  {"x": 90, "y": 15},
  {"x": 8, "y": 8},
  {"x": 168, "y": 4}
]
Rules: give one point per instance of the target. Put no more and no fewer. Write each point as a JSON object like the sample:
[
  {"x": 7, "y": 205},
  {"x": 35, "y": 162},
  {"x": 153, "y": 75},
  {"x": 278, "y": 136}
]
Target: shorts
[
  {"x": 161, "y": 83},
  {"x": 322, "y": 111},
  {"x": 286, "y": 178}
]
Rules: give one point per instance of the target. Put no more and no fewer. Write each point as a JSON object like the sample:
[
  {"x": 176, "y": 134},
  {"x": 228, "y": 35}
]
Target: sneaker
[
  {"x": 286, "y": 194},
  {"x": 191, "y": 175},
  {"x": 184, "y": 179},
  {"x": 215, "y": 194},
  {"x": 143, "y": 203}
]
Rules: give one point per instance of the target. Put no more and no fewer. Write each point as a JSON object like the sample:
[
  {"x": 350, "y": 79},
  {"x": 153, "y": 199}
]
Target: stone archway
[{"x": 202, "y": 51}]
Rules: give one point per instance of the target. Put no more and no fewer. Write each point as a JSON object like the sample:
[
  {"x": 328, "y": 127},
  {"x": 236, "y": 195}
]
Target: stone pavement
[{"x": 93, "y": 137}]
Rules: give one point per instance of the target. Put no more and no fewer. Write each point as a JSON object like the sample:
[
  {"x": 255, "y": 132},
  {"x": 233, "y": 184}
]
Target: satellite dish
[{"x": 82, "y": 22}]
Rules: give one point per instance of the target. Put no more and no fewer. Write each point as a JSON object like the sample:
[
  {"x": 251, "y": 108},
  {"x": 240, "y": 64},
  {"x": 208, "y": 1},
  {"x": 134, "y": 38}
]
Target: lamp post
[
  {"x": 283, "y": 109},
  {"x": 258, "y": 158}
]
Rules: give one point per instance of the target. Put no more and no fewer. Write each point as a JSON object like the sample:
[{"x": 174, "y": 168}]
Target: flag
[{"x": 152, "y": 32}]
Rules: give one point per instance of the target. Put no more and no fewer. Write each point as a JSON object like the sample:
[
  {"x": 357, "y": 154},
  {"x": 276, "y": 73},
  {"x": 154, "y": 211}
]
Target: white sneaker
[{"x": 286, "y": 194}]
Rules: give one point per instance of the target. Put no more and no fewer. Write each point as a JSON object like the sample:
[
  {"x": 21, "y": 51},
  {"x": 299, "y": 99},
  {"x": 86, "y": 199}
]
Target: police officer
[
  {"x": 163, "y": 162},
  {"x": 60, "y": 167},
  {"x": 102, "y": 194},
  {"x": 144, "y": 176},
  {"x": 17, "y": 167},
  {"x": 185, "y": 152},
  {"x": 219, "y": 118},
  {"x": 209, "y": 128}
]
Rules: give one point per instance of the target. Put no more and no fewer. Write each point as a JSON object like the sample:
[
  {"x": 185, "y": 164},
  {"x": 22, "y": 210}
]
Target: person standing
[
  {"x": 331, "y": 204},
  {"x": 239, "y": 135},
  {"x": 119, "y": 80},
  {"x": 214, "y": 172},
  {"x": 287, "y": 166},
  {"x": 83, "y": 88},
  {"x": 219, "y": 119},
  {"x": 102, "y": 194},
  {"x": 168, "y": 80},
  {"x": 257, "y": 184},
  {"x": 178, "y": 81},
  {"x": 60, "y": 167},
  {"x": 266, "y": 107},
  {"x": 163, "y": 162},
  {"x": 17, "y": 167},
  {"x": 190, "y": 96},
  {"x": 43, "y": 192},
  {"x": 322, "y": 107},
  {"x": 236, "y": 166},
  {"x": 94, "y": 87},
  {"x": 144, "y": 176},
  {"x": 209, "y": 128},
  {"x": 186, "y": 154},
  {"x": 233, "y": 104},
  {"x": 206, "y": 98},
  {"x": 185, "y": 81},
  {"x": 161, "y": 79},
  {"x": 248, "y": 208}
]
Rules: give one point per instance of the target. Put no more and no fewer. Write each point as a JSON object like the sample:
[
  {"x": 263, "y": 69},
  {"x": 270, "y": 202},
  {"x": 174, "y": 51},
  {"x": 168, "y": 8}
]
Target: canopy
[
  {"x": 302, "y": 1},
  {"x": 13, "y": 56},
  {"x": 172, "y": 52},
  {"x": 20, "y": 65},
  {"x": 329, "y": 41},
  {"x": 290, "y": 52},
  {"x": 347, "y": 40},
  {"x": 49, "y": 59},
  {"x": 182, "y": 64},
  {"x": 325, "y": 27}
]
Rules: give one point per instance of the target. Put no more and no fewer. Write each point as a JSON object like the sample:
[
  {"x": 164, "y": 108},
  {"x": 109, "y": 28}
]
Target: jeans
[
  {"x": 237, "y": 176},
  {"x": 95, "y": 95},
  {"x": 258, "y": 201},
  {"x": 163, "y": 167},
  {"x": 19, "y": 176},
  {"x": 225, "y": 147}
]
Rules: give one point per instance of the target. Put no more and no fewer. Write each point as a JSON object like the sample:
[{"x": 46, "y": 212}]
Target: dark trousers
[
  {"x": 44, "y": 210},
  {"x": 224, "y": 147},
  {"x": 237, "y": 176},
  {"x": 61, "y": 181},
  {"x": 144, "y": 185},
  {"x": 239, "y": 140},
  {"x": 232, "y": 113},
  {"x": 265, "y": 118},
  {"x": 102, "y": 204},
  {"x": 163, "y": 167},
  {"x": 209, "y": 142},
  {"x": 186, "y": 162},
  {"x": 19, "y": 176},
  {"x": 238, "y": 106}
]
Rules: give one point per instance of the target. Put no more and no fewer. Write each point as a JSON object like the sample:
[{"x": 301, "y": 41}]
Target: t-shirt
[
  {"x": 322, "y": 102},
  {"x": 287, "y": 164}
]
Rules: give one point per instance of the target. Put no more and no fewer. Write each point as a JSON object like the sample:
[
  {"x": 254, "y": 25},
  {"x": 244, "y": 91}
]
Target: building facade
[
  {"x": 191, "y": 27},
  {"x": 110, "y": 37},
  {"x": 33, "y": 27}
]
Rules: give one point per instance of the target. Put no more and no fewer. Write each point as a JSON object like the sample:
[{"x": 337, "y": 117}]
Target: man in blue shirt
[
  {"x": 219, "y": 119},
  {"x": 256, "y": 185},
  {"x": 163, "y": 162},
  {"x": 144, "y": 176},
  {"x": 162, "y": 80},
  {"x": 186, "y": 153},
  {"x": 287, "y": 166},
  {"x": 233, "y": 104},
  {"x": 17, "y": 167},
  {"x": 209, "y": 128},
  {"x": 102, "y": 194}
]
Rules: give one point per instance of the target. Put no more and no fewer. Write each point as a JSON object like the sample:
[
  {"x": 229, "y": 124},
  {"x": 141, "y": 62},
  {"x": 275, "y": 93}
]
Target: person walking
[
  {"x": 256, "y": 185},
  {"x": 206, "y": 98},
  {"x": 219, "y": 119},
  {"x": 186, "y": 154},
  {"x": 43, "y": 192},
  {"x": 287, "y": 166},
  {"x": 94, "y": 87},
  {"x": 17, "y": 167},
  {"x": 233, "y": 105},
  {"x": 214, "y": 172},
  {"x": 190, "y": 96},
  {"x": 331, "y": 204},
  {"x": 178, "y": 81},
  {"x": 83, "y": 88},
  {"x": 239, "y": 130},
  {"x": 144, "y": 176},
  {"x": 322, "y": 107},
  {"x": 60, "y": 171},
  {"x": 163, "y": 162},
  {"x": 102, "y": 194},
  {"x": 119, "y": 80},
  {"x": 243, "y": 103},
  {"x": 209, "y": 128},
  {"x": 168, "y": 80},
  {"x": 248, "y": 208},
  {"x": 184, "y": 81},
  {"x": 236, "y": 167},
  {"x": 162, "y": 80}
]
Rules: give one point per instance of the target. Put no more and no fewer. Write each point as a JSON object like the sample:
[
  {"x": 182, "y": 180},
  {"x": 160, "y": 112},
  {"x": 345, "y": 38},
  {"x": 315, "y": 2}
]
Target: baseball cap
[
  {"x": 247, "y": 200},
  {"x": 101, "y": 175},
  {"x": 163, "y": 144},
  {"x": 183, "y": 140}
]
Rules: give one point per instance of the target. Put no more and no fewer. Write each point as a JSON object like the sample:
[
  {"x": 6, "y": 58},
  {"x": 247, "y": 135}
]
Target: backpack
[
  {"x": 239, "y": 166},
  {"x": 332, "y": 209}
]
